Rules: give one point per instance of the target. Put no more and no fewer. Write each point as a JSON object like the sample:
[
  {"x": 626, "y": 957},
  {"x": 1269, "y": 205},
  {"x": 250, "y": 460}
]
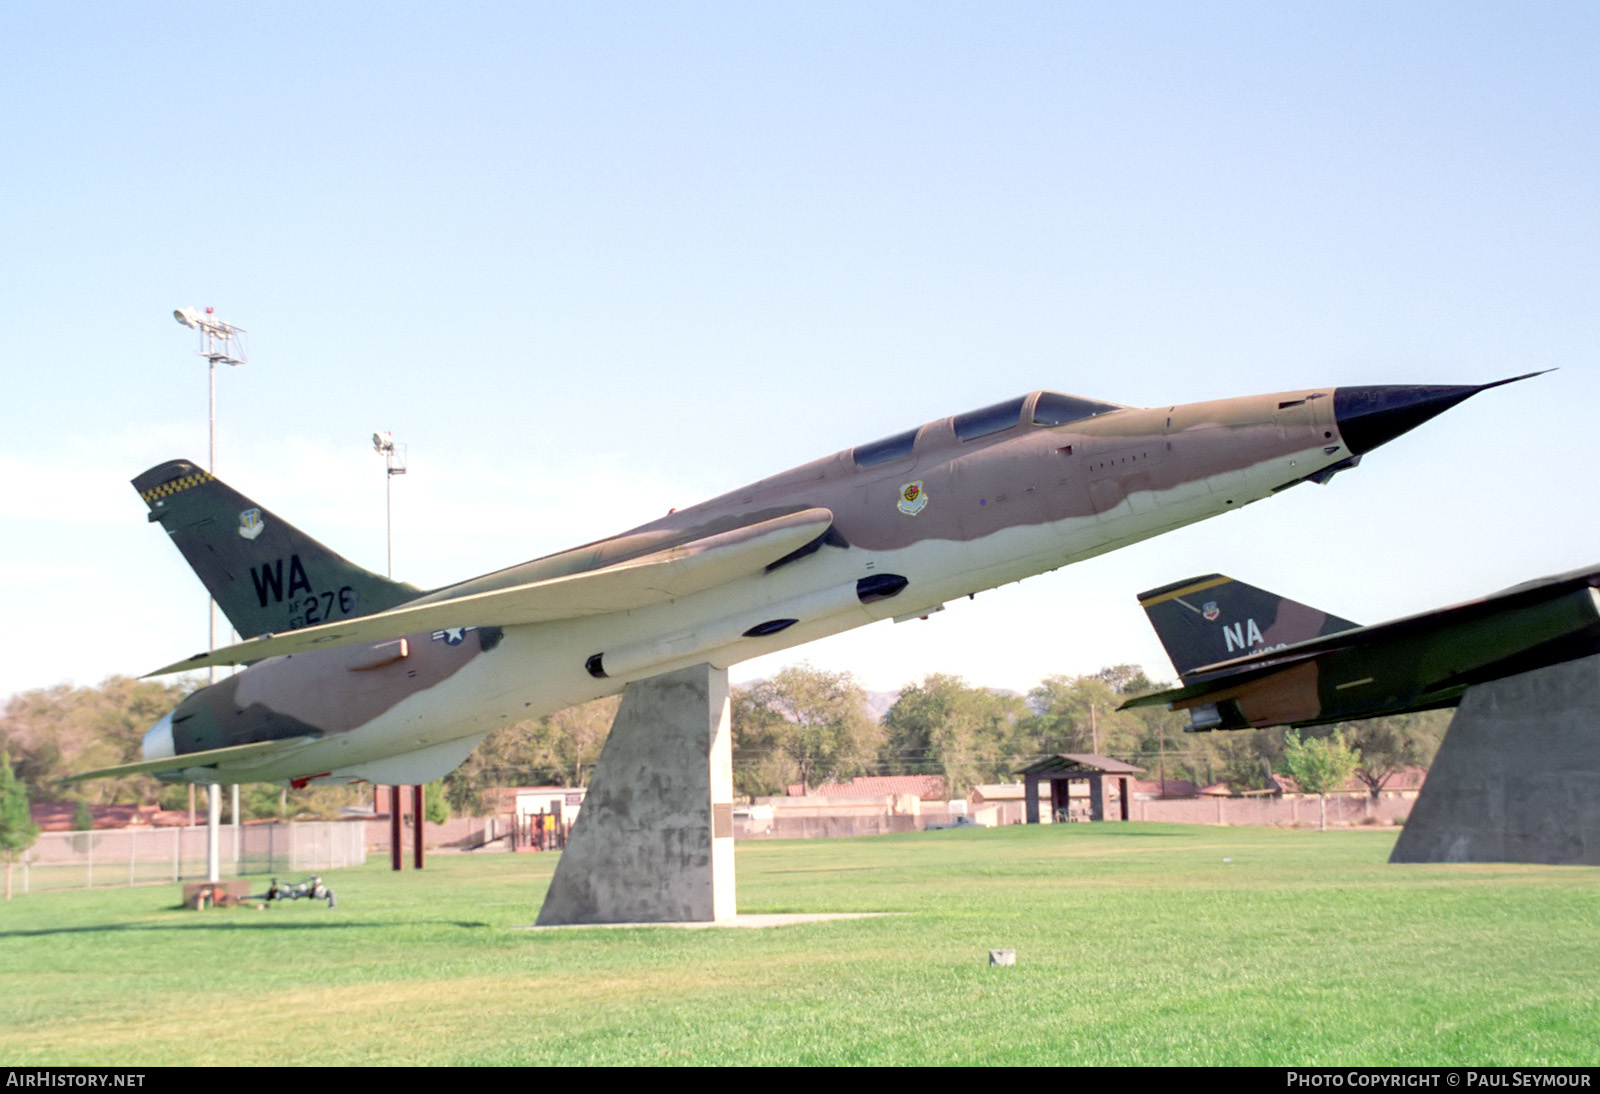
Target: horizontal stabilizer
[
  {"x": 416, "y": 768},
  {"x": 657, "y": 578},
  {"x": 1204, "y": 685},
  {"x": 209, "y": 758}
]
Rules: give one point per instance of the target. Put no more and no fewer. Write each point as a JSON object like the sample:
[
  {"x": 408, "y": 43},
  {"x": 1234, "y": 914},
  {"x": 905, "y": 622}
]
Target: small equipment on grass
[{"x": 311, "y": 888}]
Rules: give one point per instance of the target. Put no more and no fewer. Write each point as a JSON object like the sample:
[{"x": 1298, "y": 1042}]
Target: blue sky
[{"x": 593, "y": 262}]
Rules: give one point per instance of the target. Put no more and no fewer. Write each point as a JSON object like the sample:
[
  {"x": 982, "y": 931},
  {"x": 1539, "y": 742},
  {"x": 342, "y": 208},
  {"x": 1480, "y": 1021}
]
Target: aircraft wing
[
  {"x": 656, "y": 578},
  {"x": 208, "y": 758}
]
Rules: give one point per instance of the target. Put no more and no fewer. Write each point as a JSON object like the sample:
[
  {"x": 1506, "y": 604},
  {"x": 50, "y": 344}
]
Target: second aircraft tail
[{"x": 1203, "y": 620}]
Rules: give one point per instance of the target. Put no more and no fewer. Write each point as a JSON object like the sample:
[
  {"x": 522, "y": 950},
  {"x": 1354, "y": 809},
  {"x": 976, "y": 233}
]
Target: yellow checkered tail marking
[{"x": 167, "y": 489}]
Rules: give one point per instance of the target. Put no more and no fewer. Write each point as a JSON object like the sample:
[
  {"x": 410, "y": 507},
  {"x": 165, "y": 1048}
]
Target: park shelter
[{"x": 1062, "y": 770}]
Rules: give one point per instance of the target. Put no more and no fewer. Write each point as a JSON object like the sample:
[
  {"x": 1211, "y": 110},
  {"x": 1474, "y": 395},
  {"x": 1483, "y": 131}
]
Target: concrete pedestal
[
  {"x": 1517, "y": 778},
  {"x": 654, "y": 842}
]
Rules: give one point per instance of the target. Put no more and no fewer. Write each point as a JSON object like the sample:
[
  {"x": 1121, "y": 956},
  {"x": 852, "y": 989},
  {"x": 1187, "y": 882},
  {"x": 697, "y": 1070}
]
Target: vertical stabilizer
[
  {"x": 265, "y": 573},
  {"x": 1214, "y": 618}
]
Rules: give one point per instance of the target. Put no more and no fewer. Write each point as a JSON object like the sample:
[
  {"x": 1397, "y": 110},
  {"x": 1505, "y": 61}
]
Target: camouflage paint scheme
[
  {"x": 357, "y": 677},
  {"x": 1250, "y": 659}
]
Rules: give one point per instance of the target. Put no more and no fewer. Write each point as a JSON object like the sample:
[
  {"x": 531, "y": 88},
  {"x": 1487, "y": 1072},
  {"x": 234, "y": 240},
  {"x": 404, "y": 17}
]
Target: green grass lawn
[{"x": 1136, "y": 943}]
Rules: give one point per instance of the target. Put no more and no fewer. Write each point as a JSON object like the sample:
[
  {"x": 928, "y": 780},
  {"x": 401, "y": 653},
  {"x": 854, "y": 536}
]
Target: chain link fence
[{"x": 146, "y": 856}]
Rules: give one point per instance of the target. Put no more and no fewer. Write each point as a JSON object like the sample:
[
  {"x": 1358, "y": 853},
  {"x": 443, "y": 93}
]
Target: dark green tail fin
[
  {"x": 265, "y": 573},
  {"x": 1214, "y": 618}
]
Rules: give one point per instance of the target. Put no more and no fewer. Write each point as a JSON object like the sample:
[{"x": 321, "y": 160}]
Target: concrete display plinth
[
  {"x": 1517, "y": 778},
  {"x": 654, "y": 842}
]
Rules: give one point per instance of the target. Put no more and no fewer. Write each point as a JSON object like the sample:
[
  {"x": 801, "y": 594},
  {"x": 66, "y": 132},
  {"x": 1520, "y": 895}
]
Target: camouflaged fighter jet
[
  {"x": 1250, "y": 659},
  {"x": 356, "y": 677}
]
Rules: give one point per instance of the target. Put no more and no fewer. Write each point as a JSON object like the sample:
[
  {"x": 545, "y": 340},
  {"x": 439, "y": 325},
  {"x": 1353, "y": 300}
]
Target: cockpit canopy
[{"x": 1048, "y": 408}]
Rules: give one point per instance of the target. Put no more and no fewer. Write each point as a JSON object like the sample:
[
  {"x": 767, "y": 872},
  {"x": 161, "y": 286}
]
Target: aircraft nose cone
[{"x": 1370, "y": 416}]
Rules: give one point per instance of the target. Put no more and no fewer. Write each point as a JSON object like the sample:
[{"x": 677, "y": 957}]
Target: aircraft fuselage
[{"x": 955, "y": 507}]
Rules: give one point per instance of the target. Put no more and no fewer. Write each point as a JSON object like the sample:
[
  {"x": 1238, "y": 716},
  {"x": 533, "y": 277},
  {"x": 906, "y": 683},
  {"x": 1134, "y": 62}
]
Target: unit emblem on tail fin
[
  {"x": 263, "y": 572},
  {"x": 1237, "y": 620}
]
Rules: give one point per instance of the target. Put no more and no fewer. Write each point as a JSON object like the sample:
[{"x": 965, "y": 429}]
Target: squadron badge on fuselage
[
  {"x": 913, "y": 498},
  {"x": 1211, "y": 611},
  {"x": 250, "y": 524}
]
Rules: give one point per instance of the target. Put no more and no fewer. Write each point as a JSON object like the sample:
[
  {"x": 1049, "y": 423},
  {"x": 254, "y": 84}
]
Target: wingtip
[{"x": 196, "y": 661}]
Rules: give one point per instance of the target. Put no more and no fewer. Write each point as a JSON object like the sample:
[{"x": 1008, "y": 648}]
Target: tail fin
[
  {"x": 1214, "y": 618},
  {"x": 265, "y": 573}
]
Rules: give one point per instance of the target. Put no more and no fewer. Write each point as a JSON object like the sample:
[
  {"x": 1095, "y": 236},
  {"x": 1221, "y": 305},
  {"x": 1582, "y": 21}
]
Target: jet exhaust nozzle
[{"x": 158, "y": 742}]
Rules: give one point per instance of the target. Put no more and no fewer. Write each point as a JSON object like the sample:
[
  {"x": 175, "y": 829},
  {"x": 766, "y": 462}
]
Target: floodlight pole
[
  {"x": 218, "y": 341},
  {"x": 214, "y": 790},
  {"x": 394, "y": 463}
]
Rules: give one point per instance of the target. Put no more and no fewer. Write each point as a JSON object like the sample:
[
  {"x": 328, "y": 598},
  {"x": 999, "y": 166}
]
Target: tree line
[{"x": 803, "y": 726}]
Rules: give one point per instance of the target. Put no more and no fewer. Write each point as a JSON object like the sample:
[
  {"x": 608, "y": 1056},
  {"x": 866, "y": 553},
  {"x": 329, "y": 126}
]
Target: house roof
[
  {"x": 1169, "y": 788},
  {"x": 999, "y": 792},
  {"x": 505, "y": 795},
  {"x": 1407, "y": 778},
  {"x": 926, "y": 787},
  {"x": 1079, "y": 763},
  {"x": 58, "y": 816}
]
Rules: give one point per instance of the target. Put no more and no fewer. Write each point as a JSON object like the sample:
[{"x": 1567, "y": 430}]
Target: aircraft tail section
[
  {"x": 1204, "y": 620},
  {"x": 266, "y": 574}
]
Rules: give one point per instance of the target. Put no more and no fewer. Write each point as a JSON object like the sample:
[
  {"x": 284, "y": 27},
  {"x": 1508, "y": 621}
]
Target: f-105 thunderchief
[{"x": 356, "y": 677}]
